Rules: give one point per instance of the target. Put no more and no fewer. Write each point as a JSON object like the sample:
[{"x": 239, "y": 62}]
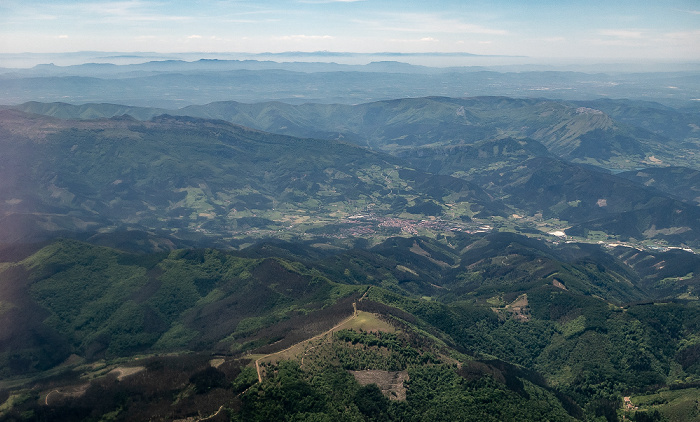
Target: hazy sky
[{"x": 609, "y": 29}]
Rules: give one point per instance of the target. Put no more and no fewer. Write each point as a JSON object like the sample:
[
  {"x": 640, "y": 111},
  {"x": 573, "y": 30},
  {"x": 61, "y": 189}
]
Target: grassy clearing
[
  {"x": 674, "y": 405},
  {"x": 365, "y": 321},
  {"x": 125, "y": 371}
]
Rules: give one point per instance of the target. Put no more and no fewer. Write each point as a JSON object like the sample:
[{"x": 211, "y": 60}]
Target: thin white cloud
[
  {"x": 251, "y": 21},
  {"x": 618, "y": 42},
  {"x": 686, "y": 41},
  {"x": 622, "y": 34},
  {"x": 552, "y": 39},
  {"x": 429, "y": 23},
  {"x": 111, "y": 12},
  {"x": 652, "y": 41},
  {"x": 202, "y": 40},
  {"x": 329, "y": 1},
  {"x": 302, "y": 37},
  {"x": 412, "y": 40},
  {"x": 327, "y": 24},
  {"x": 262, "y": 16},
  {"x": 44, "y": 17},
  {"x": 621, "y": 38},
  {"x": 684, "y": 35}
]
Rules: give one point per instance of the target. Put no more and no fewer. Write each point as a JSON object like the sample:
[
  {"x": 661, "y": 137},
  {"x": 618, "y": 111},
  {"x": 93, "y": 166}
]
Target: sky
[{"x": 594, "y": 29}]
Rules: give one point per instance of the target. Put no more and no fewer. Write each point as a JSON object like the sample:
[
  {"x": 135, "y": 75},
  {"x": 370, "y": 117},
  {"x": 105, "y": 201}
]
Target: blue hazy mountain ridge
[
  {"x": 155, "y": 67},
  {"x": 175, "y": 83}
]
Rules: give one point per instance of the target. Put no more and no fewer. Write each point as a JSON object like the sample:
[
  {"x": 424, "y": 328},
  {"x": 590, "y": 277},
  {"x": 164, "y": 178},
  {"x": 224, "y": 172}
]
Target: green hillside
[
  {"x": 590, "y": 200},
  {"x": 681, "y": 182},
  {"x": 678, "y": 124},
  {"x": 571, "y": 131},
  {"x": 195, "y": 179},
  {"x": 564, "y": 331},
  {"x": 189, "y": 181},
  {"x": 414, "y": 259}
]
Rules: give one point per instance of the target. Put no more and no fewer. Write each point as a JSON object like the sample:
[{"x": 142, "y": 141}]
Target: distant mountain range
[{"x": 177, "y": 83}]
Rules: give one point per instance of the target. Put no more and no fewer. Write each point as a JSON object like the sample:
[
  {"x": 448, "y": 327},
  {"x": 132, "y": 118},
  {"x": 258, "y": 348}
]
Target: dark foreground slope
[{"x": 493, "y": 326}]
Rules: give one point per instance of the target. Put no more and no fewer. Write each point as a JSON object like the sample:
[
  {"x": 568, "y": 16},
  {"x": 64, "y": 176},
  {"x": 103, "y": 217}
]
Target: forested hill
[
  {"x": 471, "y": 160},
  {"x": 416, "y": 259},
  {"x": 606, "y": 135},
  {"x": 502, "y": 326},
  {"x": 192, "y": 178}
]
